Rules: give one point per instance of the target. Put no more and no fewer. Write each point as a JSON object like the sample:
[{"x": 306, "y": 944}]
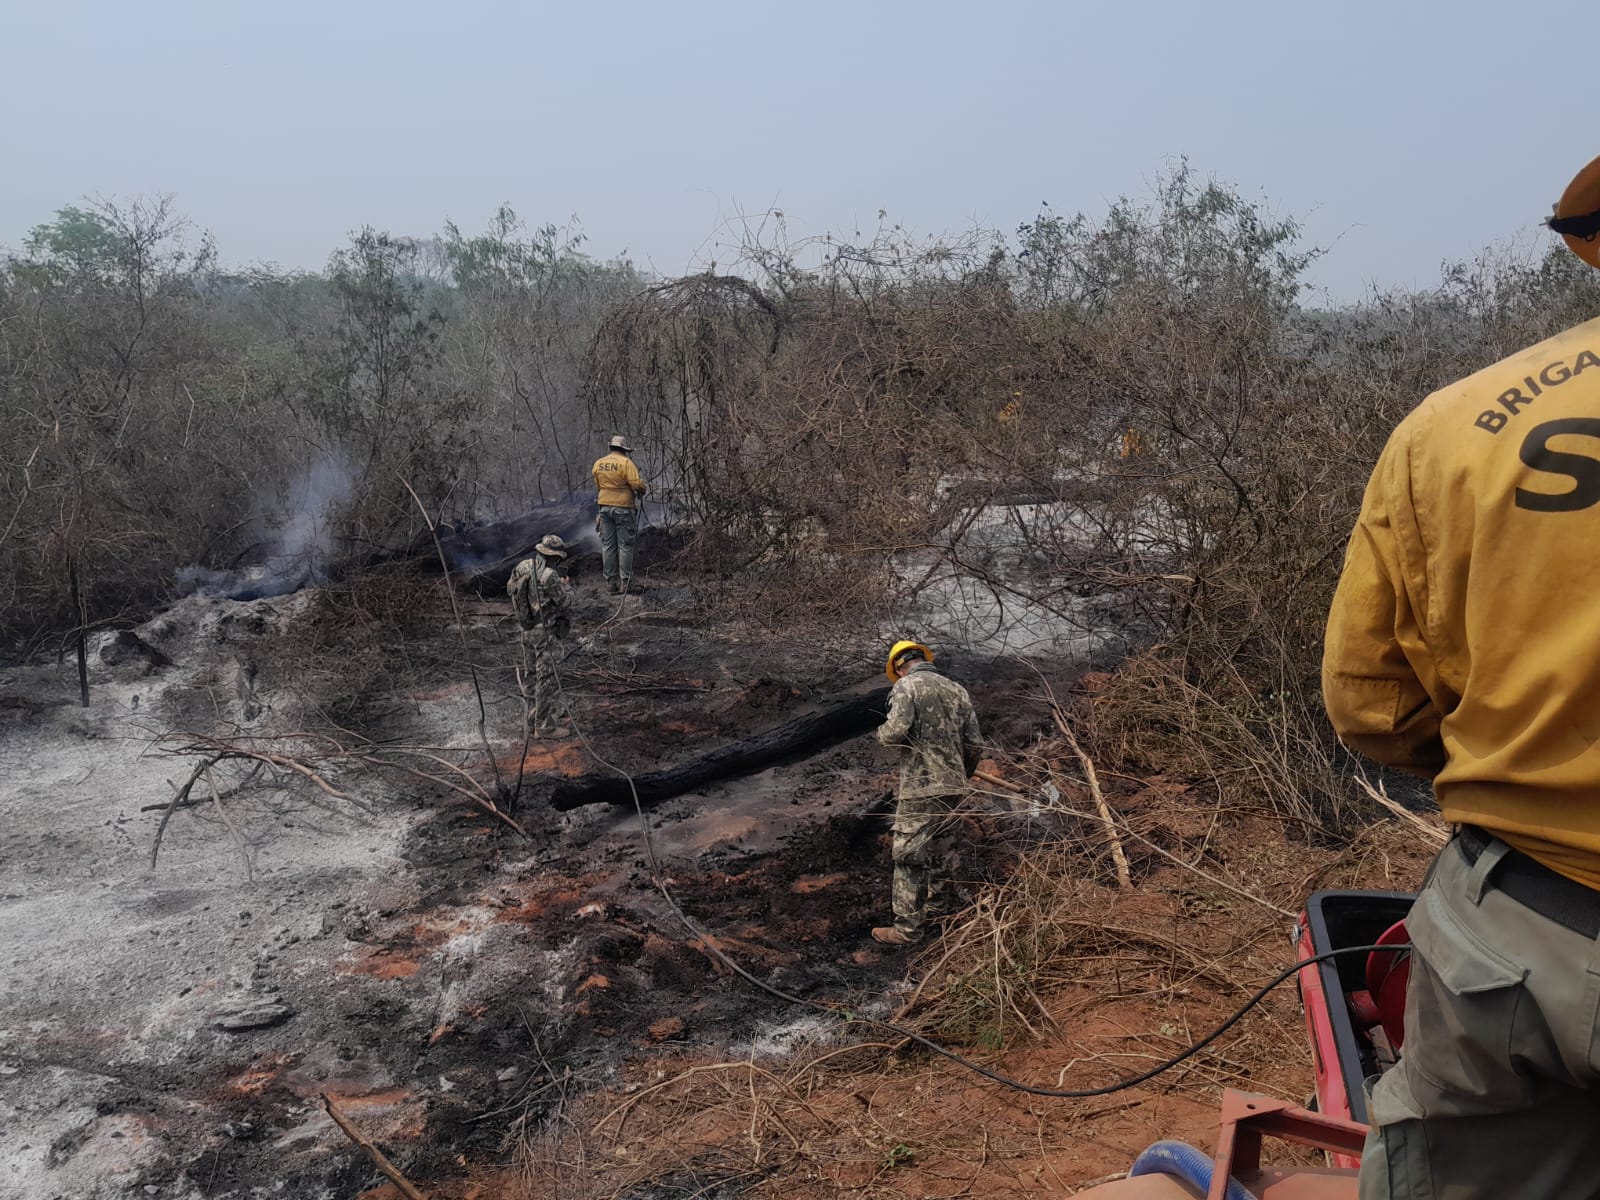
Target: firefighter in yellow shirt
[
  {"x": 620, "y": 490},
  {"x": 1464, "y": 646}
]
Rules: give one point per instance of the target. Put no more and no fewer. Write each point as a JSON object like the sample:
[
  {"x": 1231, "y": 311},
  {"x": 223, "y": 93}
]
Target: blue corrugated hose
[{"x": 1185, "y": 1162}]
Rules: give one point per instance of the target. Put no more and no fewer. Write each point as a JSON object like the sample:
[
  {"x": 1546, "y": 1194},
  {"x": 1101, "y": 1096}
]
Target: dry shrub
[
  {"x": 1209, "y": 880},
  {"x": 1260, "y": 746},
  {"x": 813, "y": 416},
  {"x": 1172, "y": 434},
  {"x": 1126, "y": 392},
  {"x": 1014, "y": 946},
  {"x": 1053, "y": 978},
  {"x": 159, "y": 413}
]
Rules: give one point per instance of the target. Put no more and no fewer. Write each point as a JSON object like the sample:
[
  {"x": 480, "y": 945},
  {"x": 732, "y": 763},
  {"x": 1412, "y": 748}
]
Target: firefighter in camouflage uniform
[
  {"x": 539, "y": 596},
  {"x": 933, "y": 720}
]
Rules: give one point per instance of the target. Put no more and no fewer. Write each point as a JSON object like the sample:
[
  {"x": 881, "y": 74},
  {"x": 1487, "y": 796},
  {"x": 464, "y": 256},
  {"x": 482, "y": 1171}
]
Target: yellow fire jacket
[
  {"x": 1464, "y": 639},
  {"x": 617, "y": 479}
]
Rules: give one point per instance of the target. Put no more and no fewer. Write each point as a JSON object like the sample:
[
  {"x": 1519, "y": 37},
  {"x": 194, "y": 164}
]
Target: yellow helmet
[
  {"x": 1577, "y": 216},
  {"x": 899, "y": 650}
]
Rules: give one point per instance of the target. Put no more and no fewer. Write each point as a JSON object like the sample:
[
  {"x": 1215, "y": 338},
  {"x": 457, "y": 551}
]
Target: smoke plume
[{"x": 294, "y": 547}]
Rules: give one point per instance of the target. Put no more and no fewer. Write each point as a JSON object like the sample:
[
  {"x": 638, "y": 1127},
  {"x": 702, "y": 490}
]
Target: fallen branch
[
  {"x": 1124, "y": 878},
  {"x": 1186, "y": 865},
  {"x": 477, "y": 797},
  {"x": 1432, "y": 832},
  {"x": 996, "y": 781},
  {"x": 191, "y": 802},
  {"x": 407, "y": 1189},
  {"x": 244, "y": 847},
  {"x": 294, "y": 764},
  {"x": 363, "y": 753},
  {"x": 179, "y": 795}
]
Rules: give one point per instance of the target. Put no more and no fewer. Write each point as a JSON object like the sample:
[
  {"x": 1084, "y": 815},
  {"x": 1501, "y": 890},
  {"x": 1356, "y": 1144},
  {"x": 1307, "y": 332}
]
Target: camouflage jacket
[
  {"x": 933, "y": 718},
  {"x": 539, "y": 596}
]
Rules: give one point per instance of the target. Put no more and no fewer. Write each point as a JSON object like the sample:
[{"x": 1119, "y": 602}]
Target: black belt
[{"x": 1534, "y": 886}]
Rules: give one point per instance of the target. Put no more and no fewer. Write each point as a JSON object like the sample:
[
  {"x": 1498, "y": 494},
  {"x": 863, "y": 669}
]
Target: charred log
[
  {"x": 480, "y": 557},
  {"x": 834, "y": 722}
]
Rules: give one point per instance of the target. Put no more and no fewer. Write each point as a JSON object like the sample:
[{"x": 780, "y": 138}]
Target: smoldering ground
[{"x": 172, "y": 1027}]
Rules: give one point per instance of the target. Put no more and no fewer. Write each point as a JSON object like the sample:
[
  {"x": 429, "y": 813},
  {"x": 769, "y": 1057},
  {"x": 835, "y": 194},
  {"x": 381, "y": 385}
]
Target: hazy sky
[{"x": 1401, "y": 133}]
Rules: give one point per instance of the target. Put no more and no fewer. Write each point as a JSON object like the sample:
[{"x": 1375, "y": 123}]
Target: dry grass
[
  {"x": 1147, "y": 718},
  {"x": 1051, "y": 976}
]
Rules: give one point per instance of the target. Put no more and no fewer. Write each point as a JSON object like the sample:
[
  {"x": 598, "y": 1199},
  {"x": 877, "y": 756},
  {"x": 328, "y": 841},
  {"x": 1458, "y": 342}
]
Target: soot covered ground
[{"x": 443, "y": 979}]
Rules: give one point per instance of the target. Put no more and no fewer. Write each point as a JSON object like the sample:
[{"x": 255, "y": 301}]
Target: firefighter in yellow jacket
[
  {"x": 620, "y": 490},
  {"x": 1464, "y": 646}
]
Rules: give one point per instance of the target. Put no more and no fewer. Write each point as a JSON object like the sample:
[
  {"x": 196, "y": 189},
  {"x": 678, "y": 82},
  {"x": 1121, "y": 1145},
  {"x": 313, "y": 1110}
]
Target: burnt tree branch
[{"x": 834, "y": 722}]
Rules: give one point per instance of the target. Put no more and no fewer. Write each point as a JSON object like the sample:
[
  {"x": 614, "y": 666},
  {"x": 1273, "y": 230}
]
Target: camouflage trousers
[
  {"x": 926, "y": 832},
  {"x": 541, "y": 686},
  {"x": 618, "y": 527}
]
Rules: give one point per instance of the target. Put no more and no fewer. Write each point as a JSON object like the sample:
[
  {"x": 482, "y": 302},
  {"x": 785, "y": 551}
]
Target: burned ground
[
  {"x": 413, "y": 957},
  {"x": 1131, "y": 977},
  {"x": 528, "y": 1016}
]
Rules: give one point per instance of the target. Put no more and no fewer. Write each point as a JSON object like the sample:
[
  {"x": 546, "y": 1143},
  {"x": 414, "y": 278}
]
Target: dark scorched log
[{"x": 844, "y": 717}]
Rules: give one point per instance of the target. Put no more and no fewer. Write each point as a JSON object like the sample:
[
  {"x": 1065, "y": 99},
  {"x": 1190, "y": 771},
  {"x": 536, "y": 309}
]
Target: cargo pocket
[
  {"x": 1394, "y": 1163},
  {"x": 1462, "y": 1006},
  {"x": 1590, "y": 1011}
]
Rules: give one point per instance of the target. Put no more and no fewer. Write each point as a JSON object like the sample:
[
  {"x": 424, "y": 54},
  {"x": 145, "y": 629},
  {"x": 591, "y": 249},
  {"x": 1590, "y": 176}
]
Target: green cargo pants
[
  {"x": 1497, "y": 1092},
  {"x": 926, "y": 830},
  {"x": 617, "y": 529}
]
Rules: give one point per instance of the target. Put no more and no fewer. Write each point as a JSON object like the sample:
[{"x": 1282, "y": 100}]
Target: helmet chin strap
[{"x": 1586, "y": 226}]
